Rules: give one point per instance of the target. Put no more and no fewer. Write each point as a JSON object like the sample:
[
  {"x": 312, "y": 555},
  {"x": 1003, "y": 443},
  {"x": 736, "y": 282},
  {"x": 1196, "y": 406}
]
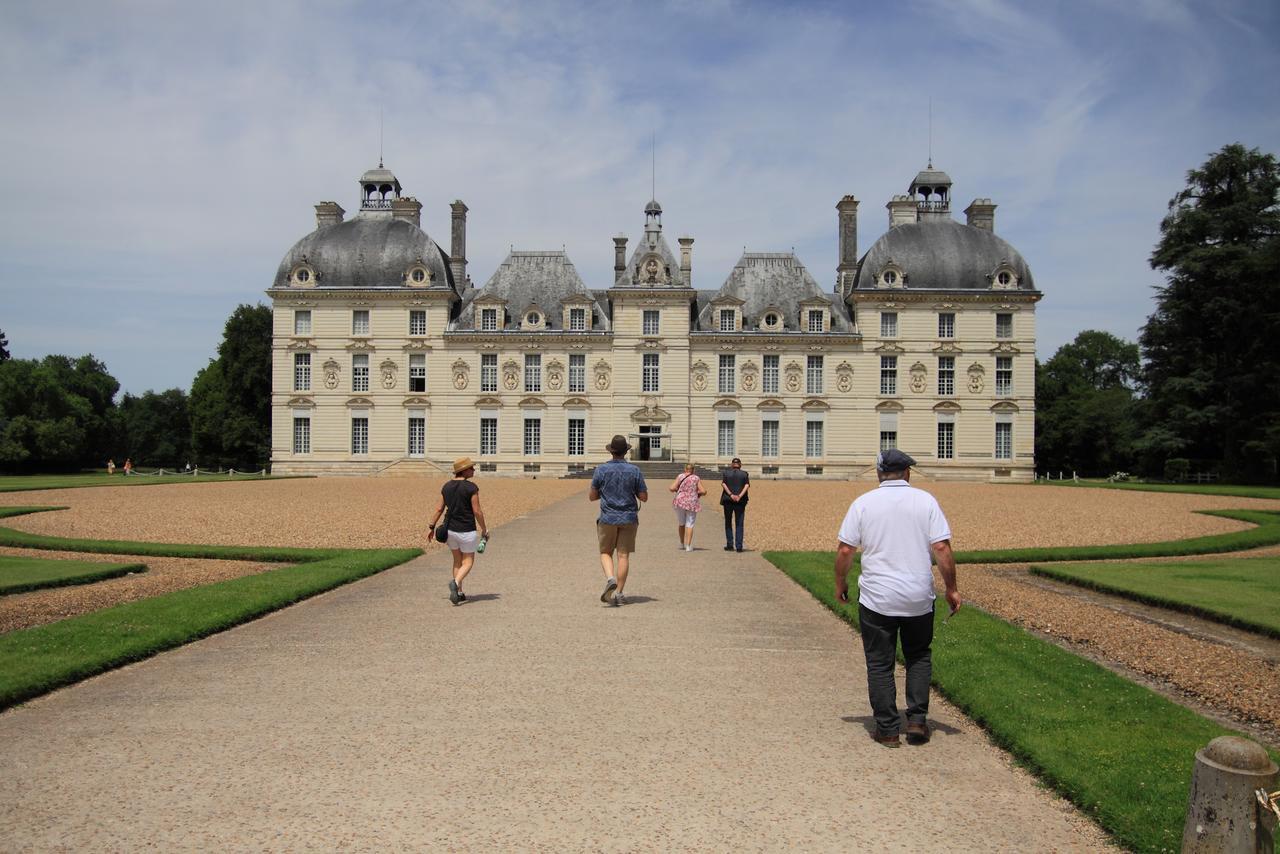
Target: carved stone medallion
[
  {"x": 331, "y": 369},
  {"x": 602, "y": 371},
  {"x": 918, "y": 372},
  {"x": 388, "y": 374},
  {"x": 461, "y": 374}
]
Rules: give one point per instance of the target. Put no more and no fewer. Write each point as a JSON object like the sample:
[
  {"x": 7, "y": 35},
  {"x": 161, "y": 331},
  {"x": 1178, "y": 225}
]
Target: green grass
[
  {"x": 25, "y": 483},
  {"x": 1239, "y": 592},
  {"x": 1120, "y": 752},
  {"x": 20, "y": 574},
  {"x": 1234, "y": 490}
]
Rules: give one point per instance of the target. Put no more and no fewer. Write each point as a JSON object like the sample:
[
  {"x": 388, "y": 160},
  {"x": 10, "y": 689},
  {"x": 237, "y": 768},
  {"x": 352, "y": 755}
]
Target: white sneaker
[
  {"x": 619, "y": 599},
  {"x": 688, "y": 548}
]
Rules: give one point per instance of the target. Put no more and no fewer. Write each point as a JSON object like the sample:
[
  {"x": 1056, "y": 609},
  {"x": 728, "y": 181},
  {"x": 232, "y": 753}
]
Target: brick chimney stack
[
  {"x": 902, "y": 211},
  {"x": 408, "y": 209},
  {"x": 686, "y": 260},
  {"x": 619, "y": 257},
  {"x": 981, "y": 213},
  {"x": 458, "y": 246},
  {"x": 328, "y": 213},
  {"x": 847, "y": 217}
]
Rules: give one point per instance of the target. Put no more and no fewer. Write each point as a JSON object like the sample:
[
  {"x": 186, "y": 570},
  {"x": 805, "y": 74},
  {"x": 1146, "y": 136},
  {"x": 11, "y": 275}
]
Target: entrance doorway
[{"x": 650, "y": 444}]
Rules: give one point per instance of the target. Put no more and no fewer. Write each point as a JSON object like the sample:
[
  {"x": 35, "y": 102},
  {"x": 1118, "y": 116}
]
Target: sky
[{"x": 157, "y": 160}]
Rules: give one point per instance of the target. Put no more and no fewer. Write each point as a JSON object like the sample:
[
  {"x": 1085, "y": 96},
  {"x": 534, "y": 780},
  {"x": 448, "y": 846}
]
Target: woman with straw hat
[{"x": 461, "y": 498}]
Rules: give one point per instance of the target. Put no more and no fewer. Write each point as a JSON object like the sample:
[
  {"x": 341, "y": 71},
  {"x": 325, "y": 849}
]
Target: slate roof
[
  {"x": 941, "y": 254},
  {"x": 525, "y": 279},
  {"x": 772, "y": 280},
  {"x": 370, "y": 250}
]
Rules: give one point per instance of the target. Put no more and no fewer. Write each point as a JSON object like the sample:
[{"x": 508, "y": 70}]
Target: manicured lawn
[
  {"x": 1237, "y": 491},
  {"x": 20, "y": 574},
  {"x": 24, "y": 483},
  {"x": 1240, "y": 592},
  {"x": 1120, "y": 752}
]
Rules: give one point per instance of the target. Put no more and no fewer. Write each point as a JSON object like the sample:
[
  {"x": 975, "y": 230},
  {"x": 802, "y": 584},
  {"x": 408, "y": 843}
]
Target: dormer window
[
  {"x": 728, "y": 320},
  {"x": 488, "y": 320},
  {"x": 419, "y": 275},
  {"x": 772, "y": 320},
  {"x": 577, "y": 320},
  {"x": 533, "y": 318},
  {"x": 303, "y": 276},
  {"x": 891, "y": 277},
  {"x": 817, "y": 320},
  {"x": 1004, "y": 278}
]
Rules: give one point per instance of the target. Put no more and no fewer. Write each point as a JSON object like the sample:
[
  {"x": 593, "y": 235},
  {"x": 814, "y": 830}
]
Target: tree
[
  {"x": 157, "y": 427},
  {"x": 231, "y": 396},
  {"x": 4, "y": 347},
  {"x": 56, "y": 413},
  {"x": 1085, "y": 413},
  {"x": 1210, "y": 346}
]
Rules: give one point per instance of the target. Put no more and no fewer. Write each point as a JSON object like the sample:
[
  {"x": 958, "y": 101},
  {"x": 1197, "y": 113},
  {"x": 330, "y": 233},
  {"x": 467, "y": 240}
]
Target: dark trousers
[
  {"x": 879, "y": 641},
  {"x": 733, "y": 514}
]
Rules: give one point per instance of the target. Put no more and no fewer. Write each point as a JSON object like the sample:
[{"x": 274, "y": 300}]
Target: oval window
[
  {"x": 419, "y": 275},
  {"x": 1004, "y": 278},
  {"x": 532, "y": 318},
  {"x": 890, "y": 277},
  {"x": 771, "y": 319},
  {"x": 303, "y": 275}
]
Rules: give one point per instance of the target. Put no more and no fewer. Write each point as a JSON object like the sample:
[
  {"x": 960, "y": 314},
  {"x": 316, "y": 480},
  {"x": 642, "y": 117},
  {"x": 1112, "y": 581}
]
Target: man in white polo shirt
[{"x": 897, "y": 527}]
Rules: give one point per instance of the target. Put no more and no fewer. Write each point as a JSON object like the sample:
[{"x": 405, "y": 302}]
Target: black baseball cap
[{"x": 893, "y": 460}]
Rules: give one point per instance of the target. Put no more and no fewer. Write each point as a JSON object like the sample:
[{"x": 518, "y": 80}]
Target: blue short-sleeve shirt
[{"x": 619, "y": 482}]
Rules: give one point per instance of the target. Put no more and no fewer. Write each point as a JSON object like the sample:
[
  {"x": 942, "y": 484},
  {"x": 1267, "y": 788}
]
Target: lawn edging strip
[
  {"x": 1221, "y": 489},
  {"x": 24, "y": 574},
  {"x": 35, "y": 482}
]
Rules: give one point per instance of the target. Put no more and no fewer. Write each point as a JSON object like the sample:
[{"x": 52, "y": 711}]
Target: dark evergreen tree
[
  {"x": 156, "y": 428},
  {"x": 231, "y": 397},
  {"x": 1210, "y": 347}
]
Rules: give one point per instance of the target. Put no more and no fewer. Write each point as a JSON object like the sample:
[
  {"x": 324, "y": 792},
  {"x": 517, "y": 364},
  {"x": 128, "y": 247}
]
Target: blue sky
[{"x": 157, "y": 160}]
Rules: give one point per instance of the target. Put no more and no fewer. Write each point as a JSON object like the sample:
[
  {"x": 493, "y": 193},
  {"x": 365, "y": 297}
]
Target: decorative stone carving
[
  {"x": 700, "y": 370},
  {"x": 602, "y": 371},
  {"x": 461, "y": 374},
  {"x": 844, "y": 377},
  {"x": 749, "y": 371},
  {"x": 332, "y": 371},
  {"x": 510, "y": 374},
  {"x": 977, "y": 378},
  {"x": 918, "y": 372},
  {"x": 388, "y": 374},
  {"x": 653, "y": 271},
  {"x": 555, "y": 374},
  {"x": 794, "y": 373}
]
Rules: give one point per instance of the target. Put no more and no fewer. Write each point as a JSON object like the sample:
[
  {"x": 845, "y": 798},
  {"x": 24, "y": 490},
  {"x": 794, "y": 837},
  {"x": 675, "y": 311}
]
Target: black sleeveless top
[{"x": 457, "y": 503}]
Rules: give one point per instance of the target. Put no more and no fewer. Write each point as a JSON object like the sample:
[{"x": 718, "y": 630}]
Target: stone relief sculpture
[
  {"x": 918, "y": 372},
  {"x": 331, "y": 373},
  {"x": 700, "y": 375},
  {"x": 602, "y": 370},
  {"x": 461, "y": 374},
  {"x": 749, "y": 376},
  {"x": 510, "y": 374},
  {"x": 976, "y": 378},
  {"x": 794, "y": 372},
  {"x": 388, "y": 374},
  {"x": 555, "y": 374},
  {"x": 844, "y": 377}
]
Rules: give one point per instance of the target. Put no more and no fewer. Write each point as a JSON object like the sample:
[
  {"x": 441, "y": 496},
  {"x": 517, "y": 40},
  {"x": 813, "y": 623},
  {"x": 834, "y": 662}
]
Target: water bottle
[{"x": 484, "y": 541}]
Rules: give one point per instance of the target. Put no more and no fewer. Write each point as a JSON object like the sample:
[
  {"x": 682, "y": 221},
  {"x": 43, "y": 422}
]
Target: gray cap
[{"x": 893, "y": 460}]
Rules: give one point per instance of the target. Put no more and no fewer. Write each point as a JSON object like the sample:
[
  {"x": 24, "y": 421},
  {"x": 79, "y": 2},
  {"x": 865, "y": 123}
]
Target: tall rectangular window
[
  {"x": 1004, "y": 375},
  {"x": 488, "y": 437},
  {"x": 888, "y": 324},
  {"x": 360, "y": 321},
  {"x": 417, "y": 372},
  {"x": 488, "y": 371},
  {"x": 532, "y": 437},
  {"x": 813, "y": 375},
  {"x": 577, "y": 372},
  {"x": 360, "y": 435},
  {"x": 888, "y": 439},
  {"x": 770, "y": 379},
  {"x": 302, "y": 322},
  {"x": 815, "y": 320},
  {"x": 946, "y": 440},
  {"x": 726, "y": 438},
  {"x": 728, "y": 380},
  {"x": 417, "y": 436},
  {"x": 302, "y": 372},
  {"x": 301, "y": 435},
  {"x": 577, "y": 437},
  {"x": 946, "y": 375},
  {"x": 946, "y": 324},
  {"x": 652, "y": 321},
  {"x": 726, "y": 320},
  {"x": 1004, "y": 440},
  {"x": 1004, "y": 325},
  {"x": 417, "y": 321},
  {"x": 488, "y": 320},
  {"x": 889, "y": 375},
  {"x": 813, "y": 439},
  {"x": 649, "y": 378},
  {"x": 768, "y": 438},
  {"x": 532, "y": 372},
  {"x": 360, "y": 372},
  {"x": 577, "y": 320}
]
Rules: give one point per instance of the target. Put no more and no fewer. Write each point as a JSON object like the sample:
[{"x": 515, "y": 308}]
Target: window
[
  {"x": 301, "y": 435},
  {"x": 889, "y": 277},
  {"x": 1004, "y": 325},
  {"x": 577, "y": 437},
  {"x": 302, "y": 322},
  {"x": 532, "y": 437},
  {"x": 1004, "y": 279},
  {"x": 727, "y": 379},
  {"x": 417, "y": 436},
  {"x": 946, "y": 324},
  {"x": 888, "y": 324},
  {"x": 488, "y": 320},
  {"x": 726, "y": 441},
  {"x": 768, "y": 438},
  {"x": 488, "y": 437},
  {"x": 813, "y": 439},
  {"x": 418, "y": 275},
  {"x": 360, "y": 321},
  {"x": 360, "y": 435},
  {"x": 946, "y": 440},
  {"x": 532, "y": 318},
  {"x": 577, "y": 372},
  {"x": 946, "y": 375},
  {"x": 418, "y": 322},
  {"x": 532, "y": 372},
  {"x": 488, "y": 371},
  {"x": 815, "y": 320},
  {"x": 770, "y": 374},
  {"x": 888, "y": 439},
  {"x": 727, "y": 323},
  {"x": 813, "y": 375},
  {"x": 1004, "y": 375},
  {"x": 360, "y": 372},
  {"x": 771, "y": 320},
  {"x": 418, "y": 372},
  {"x": 889, "y": 375},
  {"x": 1004, "y": 440},
  {"x": 652, "y": 321},
  {"x": 577, "y": 320},
  {"x": 649, "y": 373},
  {"x": 302, "y": 372}
]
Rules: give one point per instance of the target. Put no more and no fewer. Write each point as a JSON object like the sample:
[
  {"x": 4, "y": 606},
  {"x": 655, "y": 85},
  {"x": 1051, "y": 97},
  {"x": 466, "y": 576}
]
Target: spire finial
[
  {"x": 930, "y": 131},
  {"x": 653, "y": 165},
  {"x": 380, "y": 126}
]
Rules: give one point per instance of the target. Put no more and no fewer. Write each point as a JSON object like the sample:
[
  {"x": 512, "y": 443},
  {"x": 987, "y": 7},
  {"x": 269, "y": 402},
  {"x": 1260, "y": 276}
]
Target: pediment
[
  {"x": 360, "y": 345},
  {"x": 772, "y": 404},
  {"x": 727, "y": 300},
  {"x": 489, "y": 402},
  {"x": 889, "y": 406},
  {"x": 650, "y": 413},
  {"x": 489, "y": 300},
  {"x": 1005, "y": 349},
  {"x": 946, "y": 406},
  {"x": 416, "y": 347},
  {"x": 576, "y": 300},
  {"x": 301, "y": 401},
  {"x": 417, "y": 401},
  {"x": 815, "y": 405},
  {"x": 726, "y": 403},
  {"x": 889, "y": 349},
  {"x": 301, "y": 344},
  {"x": 359, "y": 403},
  {"x": 576, "y": 403},
  {"x": 532, "y": 402},
  {"x": 947, "y": 348},
  {"x": 816, "y": 301},
  {"x": 1004, "y": 406}
]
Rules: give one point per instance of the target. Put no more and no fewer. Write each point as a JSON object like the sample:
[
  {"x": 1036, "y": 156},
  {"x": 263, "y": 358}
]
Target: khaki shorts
[{"x": 621, "y": 538}]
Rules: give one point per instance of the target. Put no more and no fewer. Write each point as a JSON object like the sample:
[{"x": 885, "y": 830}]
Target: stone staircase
[
  {"x": 415, "y": 468},
  {"x": 654, "y": 472}
]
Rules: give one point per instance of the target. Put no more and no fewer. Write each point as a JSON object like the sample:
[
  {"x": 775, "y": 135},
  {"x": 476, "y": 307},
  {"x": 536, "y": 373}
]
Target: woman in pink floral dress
[{"x": 688, "y": 489}]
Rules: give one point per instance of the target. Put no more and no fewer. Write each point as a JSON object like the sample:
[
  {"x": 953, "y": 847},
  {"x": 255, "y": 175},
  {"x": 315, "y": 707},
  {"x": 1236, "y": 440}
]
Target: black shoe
[
  {"x": 887, "y": 739},
  {"x": 462, "y": 597},
  {"x": 738, "y": 549},
  {"x": 453, "y": 592},
  {"x": 728, "y": 548}
]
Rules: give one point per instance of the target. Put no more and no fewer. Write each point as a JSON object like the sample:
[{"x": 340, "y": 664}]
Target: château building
[{"x": 387, "y": 357}]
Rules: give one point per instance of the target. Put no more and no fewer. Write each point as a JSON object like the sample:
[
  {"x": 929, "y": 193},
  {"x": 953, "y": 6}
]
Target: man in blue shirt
[{"x": 618, "y": 486}]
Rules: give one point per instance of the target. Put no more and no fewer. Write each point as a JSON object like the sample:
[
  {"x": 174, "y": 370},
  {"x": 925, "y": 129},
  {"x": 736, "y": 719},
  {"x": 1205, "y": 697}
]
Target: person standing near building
[
  {"x": 461, "y": 498},
  {"x": 688, "y": 489},
  {"x": 733, "y": 498},
  {"x": 619, "y": 487},
  {"x": 898, "y": 528}
]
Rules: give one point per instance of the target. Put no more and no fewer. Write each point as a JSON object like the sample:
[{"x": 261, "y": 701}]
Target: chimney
[
  {"x": 686, "y": 260},
  {"x": 408, "y": 209},
  {"x": 458, "y": 247},
  {"x": 328, "y": 213},
  {"x": 848, "y": 224},
  {"x": 619, "y": 257},
  {"x": 981, "y": 213},
  {"x": 902, "y": 211}
]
